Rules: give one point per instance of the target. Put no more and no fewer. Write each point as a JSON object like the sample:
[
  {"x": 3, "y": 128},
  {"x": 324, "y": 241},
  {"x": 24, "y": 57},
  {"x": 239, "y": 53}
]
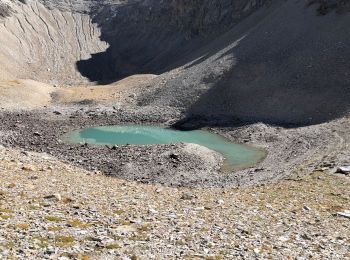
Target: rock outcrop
[{"x": 44, "y": 44}]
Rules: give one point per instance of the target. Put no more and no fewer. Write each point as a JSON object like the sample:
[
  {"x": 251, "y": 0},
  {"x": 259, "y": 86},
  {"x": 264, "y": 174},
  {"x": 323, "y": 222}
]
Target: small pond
[{"x": 236, "y": 155}]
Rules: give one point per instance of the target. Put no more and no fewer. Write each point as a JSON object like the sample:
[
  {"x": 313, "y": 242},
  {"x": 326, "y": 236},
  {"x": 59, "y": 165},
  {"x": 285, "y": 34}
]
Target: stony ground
[
  {"x": 289, "y": 151},
  {"x": 55, "y": 211}
]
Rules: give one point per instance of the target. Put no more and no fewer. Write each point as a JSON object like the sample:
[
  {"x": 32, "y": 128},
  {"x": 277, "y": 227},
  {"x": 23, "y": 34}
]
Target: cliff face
[
  {"x": 154, "y": 36},
  {"x": 192, "y": 17},
  {"x": 66, "y": 41},
  {"x": 43, "y": 44}
]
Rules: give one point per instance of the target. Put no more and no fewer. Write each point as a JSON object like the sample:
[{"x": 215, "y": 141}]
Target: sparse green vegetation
[
  {"x": 11, "y": 185},
  {"x": 6, "y": 211},
  {"x": 53, "y": 219},
  {"x": 42, "y": 242},
  {"x": 31, "y": 206},
  {"x": 64, "y": 241},
  {"x": 54, "y": 228},
  {"x": 144, "y": 228},
  {"x": 119, "y": 212},
  {"x": 138, "y": 238},
  {"x": 9, "y": 245},
  {"x": 77, "y": 223},
  {"x": 5, "y": 217},
  {"x": 124, "y": 222},
  {"x": 113, "y": 246},
  {"x": 217, "y": 257}
]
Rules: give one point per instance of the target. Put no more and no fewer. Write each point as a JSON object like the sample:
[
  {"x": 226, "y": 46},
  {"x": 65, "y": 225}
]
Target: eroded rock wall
[
  {"x": 44, "y": 44},
  {"x": 66, "y": 41},
  {"x": 155, "y": 36}
]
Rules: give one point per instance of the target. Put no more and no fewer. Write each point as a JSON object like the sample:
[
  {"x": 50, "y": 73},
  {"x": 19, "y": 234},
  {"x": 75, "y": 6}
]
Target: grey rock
[
  {"x": 187, "y": 196},
  {"x": 344, "y": 170}
]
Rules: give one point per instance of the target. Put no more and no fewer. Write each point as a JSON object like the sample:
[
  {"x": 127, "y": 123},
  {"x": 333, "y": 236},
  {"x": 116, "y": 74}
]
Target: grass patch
[
  {"x": 33, "y": 207},
  {"x": 77, "y": 223},
  {"x": 11, "y": 185},
  {"x": 42, "y": 242},
  {"x": 180, "y": 242},
  {"x": 83, "y": 257},
  {"x": 53, "y": 219},
  {"x": 138, "y": 238},
  {"x": 64, "y": 241},
  {"x": 6, "y": 210},
  {"x": 5, "y": 217},
  {"x": 124, "y": 222},
  {"x": 95, "y": 223},
  {"x": 89, "y": 238},
  {"x": 217, "y": 257},
  {"x": 118, "y": 237},
  {"x": 9, "y": 245},
  {"x": 54, "y": 228},
  {"x": 119, "y": 212},
  {"x": 144, "y": 228},
  {"x": 113, "y": 246},
  {"x": 23, "y": 226}
]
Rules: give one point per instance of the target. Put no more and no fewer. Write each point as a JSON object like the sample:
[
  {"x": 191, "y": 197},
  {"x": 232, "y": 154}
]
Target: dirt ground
[
  {"x": 29, "y": 94},
  {"x": 101, "y": 94}
]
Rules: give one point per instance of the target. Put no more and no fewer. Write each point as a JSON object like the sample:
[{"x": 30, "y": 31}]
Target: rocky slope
[
  {"x": 47, "y": 39},
  {"x": 284, "y": 64},
  {"x": 279, "y": 62},
  {"x": 50, "y": 210},
  {"x": 223, "y": 63}
]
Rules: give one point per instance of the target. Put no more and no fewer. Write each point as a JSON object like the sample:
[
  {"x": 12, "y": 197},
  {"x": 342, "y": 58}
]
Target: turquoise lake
[{"x": 236, "y": 155}]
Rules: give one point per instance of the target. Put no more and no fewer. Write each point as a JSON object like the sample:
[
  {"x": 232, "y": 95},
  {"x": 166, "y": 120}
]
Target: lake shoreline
[{"x": 288, "y": 150}]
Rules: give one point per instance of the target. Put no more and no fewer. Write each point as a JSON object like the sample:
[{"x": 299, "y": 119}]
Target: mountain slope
[
  {"x": 285, "y": 64},
  {"x": 281, "y": 62}
]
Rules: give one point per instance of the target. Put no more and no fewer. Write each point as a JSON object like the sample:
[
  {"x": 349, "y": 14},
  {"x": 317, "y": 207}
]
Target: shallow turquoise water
[{"x": 236, "y": 155}]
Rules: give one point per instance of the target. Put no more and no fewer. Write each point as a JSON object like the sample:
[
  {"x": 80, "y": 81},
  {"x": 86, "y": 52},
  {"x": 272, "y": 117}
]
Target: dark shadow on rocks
[
  {"x": 152, "y": 37},
  {"x": 139, "y": 43},
  {"x": 292, "y": 70}
]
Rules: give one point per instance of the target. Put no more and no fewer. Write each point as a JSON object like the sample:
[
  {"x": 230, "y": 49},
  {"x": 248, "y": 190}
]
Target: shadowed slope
[
  {"x": 153, "y": 37},
  {"x": 283, "y": 65},
  {"x": 72, "y": 41}
]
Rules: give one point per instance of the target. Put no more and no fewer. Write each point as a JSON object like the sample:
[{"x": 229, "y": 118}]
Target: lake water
[{"x": 236, "y": 155}]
